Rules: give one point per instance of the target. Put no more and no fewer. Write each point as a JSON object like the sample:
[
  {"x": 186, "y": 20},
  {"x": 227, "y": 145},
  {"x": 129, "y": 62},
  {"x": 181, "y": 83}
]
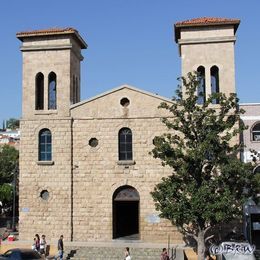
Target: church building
[{"x": 85, "y": 167}]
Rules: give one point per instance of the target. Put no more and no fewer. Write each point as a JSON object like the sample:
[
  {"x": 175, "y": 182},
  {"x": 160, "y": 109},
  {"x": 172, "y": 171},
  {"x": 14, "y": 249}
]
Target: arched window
[
  {"x": 52, "y": 91},
  {"x": 256, "y": 132},
  {"x": 39, "y": 91},
  {"x": 214, "y": 77},
  {"x": 125, "y": 144},
  {"x": 45, "y": 145},
  {"x": 202, "y": 85}
]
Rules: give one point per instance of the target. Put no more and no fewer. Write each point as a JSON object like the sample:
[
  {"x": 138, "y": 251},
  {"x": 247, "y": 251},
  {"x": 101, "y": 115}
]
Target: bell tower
[
  {"x": 51, "y": 84},
  {"x": 206, "y": 45},
  {"x": 51, "y": 71}
]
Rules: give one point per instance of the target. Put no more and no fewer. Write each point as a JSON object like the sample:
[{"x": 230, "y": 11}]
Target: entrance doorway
[{"x": 126, "y": 213}]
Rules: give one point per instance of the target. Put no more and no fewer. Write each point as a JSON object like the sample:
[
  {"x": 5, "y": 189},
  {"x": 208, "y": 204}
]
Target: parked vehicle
[{"x": 21, "y": 254}]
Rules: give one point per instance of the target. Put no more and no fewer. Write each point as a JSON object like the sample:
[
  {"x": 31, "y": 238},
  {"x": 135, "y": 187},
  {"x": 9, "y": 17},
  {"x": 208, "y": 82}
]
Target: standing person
[
  {"x": 34, "y": 244},
  {"x": 127, "y": 254},
  {"x": 164, "y": 255},
  {"x": 43, "y": 245},
  {"x": 60, "y": 248},
  {"x": 37, "y": 242}
]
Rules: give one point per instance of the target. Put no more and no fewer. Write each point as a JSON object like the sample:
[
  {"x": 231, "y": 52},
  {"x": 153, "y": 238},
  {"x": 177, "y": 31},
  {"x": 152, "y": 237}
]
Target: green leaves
[
  {"x": 6, "y": 191},
  {"x": 201, "y": 146},
  {"x": 12, "y": 123},
  {"x": 8, "y": 164}
]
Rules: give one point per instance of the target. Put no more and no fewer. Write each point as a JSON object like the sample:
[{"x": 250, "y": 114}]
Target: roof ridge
[
  {"x": 207, "y": 20},
  {"x": 47, "y": 31}
]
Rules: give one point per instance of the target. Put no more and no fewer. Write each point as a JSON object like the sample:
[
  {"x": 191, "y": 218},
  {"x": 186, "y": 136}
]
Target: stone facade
[
  {"x": 81, "y": 181},
  {"x": 251, "y": 119},
  {"x": 208, "y": 43}
]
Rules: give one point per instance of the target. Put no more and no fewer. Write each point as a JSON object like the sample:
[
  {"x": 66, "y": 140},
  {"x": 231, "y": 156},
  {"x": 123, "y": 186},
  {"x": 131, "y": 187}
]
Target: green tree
[
  {"x": 207, "y": 185},
  {"x": 13, "y": 123},
  {"x": 8, "y": 165}
]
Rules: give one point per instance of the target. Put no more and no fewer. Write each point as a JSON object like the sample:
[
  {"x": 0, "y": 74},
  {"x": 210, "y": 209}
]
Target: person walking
[
  {"x": 127, "y": 254},
  {"x": 43, "y": 245},
  {"x": 37, "y": 242},
  {"x": 60, "y": 248},
  {"x": 164, "y": 255},
  {"x": 34, "y": 244}
]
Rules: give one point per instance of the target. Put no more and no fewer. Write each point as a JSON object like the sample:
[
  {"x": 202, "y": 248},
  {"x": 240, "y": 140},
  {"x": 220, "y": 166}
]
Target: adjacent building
[{"x": 10, "y": 137}]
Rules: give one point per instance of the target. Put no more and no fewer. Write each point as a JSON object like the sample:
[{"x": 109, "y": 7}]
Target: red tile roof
[
  {"x": 47, "y": 31},
  {"x": 204, "y": 21},
  {"x": 207, "y": 21},
  {"x": 52, "y": 31}
]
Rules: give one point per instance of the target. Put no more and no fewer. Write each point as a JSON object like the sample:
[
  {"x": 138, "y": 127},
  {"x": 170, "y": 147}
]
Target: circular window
[
  {"x": 93, "y": 142},
  {"x": 124, "y": 102},
  {"x": 44, "y": 195}
]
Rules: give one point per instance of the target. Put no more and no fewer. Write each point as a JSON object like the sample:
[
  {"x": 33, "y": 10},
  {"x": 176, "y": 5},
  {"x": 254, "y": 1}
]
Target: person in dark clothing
[
  {"x": 60, "y": 248},
  {"x": 37, "y": 242},
  {"x": 164, "y": 255}
]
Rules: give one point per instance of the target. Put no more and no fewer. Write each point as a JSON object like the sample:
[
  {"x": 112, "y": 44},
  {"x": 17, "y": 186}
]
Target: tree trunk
[{"x": 201, "y": 246}]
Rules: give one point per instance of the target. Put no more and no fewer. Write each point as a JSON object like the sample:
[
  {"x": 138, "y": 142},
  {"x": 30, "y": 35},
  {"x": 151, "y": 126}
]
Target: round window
[
  {"x": 93, "y": 142},
  {"x": 44, "y": 195},
  {"x": 124, "y": 102}
]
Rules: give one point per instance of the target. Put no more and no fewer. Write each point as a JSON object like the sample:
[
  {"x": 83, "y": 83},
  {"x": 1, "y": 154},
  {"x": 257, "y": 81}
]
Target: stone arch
[
  {"x": 255, "y": 132},
  {"x": 39, "y": 91},
  {"x": 125, "y": 204},
  {"x": 214, "y": 82},
  {"x": 201, "y": 91},
  {"x": 52, "y": 90}
]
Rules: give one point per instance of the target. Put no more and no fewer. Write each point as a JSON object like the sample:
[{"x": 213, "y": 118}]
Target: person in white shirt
[
  {"x": 43, "y": 245},
  {"x": 127, "y": 254}
]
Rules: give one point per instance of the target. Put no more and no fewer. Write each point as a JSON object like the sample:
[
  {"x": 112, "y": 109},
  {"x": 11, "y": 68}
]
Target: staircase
[{"x": 117, "y": 253}]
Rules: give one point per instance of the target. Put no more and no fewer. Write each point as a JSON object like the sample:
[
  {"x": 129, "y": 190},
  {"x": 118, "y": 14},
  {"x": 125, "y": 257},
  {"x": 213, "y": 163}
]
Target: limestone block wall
[
  {"x": 107, "y": 105},
  {"x": 208, "y": 47},
  {"x": 57, "y": 61},
  {"x": 74, "y": 74},
  {"x": 51, "y": 217},
  {"x": 212, "y": 54},
  {"x": 97, "y": 174},
  {"x": 206, "y": 32}
]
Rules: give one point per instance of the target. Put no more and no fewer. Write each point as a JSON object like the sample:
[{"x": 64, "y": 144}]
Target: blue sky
[{"x": 130, "y": 41}]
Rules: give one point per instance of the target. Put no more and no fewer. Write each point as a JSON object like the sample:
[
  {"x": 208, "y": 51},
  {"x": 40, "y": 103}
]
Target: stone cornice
[
  {"x": 50, "y": 48},
  {"x": 46, "y": 47},
  {"x": 207, "y": 40}
]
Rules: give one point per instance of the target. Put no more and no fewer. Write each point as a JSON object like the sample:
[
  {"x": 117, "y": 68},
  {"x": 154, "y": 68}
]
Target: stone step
[
  {"x": 257, "y": 254},
  {"x": 117, "y": 253}
]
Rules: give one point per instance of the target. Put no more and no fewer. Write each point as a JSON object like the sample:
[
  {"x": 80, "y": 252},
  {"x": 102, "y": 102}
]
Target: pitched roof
[
  {"x": 204, "y": 21},
  {"x": 125, "y": 86},
  {"x": 52, "y": 31}
]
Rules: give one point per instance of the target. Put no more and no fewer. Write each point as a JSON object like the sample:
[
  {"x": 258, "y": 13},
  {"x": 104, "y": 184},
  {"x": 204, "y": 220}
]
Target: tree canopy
[
  {"x": 8, "y": 165},
  {"x": 208, "y": 182},
  {"x": 12, "y": 123}
]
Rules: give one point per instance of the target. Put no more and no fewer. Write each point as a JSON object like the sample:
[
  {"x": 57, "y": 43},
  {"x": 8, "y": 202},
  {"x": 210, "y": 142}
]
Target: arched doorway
[{"x": 126, "y": 213}]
